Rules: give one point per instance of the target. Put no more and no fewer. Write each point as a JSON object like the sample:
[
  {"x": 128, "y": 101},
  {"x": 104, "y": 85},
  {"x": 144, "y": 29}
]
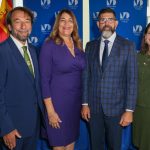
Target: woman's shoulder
[
  {"x": 80, "y": 51},
  {"x": 49, "y": 43},
  {"x": 141, "y": 55}
]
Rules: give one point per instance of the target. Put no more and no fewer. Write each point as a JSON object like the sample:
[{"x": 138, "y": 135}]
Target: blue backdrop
[
  {"x": 45, "y": 12},
  {"x": 131, "y": 15}
]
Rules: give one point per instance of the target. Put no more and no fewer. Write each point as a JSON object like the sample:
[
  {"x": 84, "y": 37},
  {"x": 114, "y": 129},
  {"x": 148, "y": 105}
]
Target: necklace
[{"x": 70, "y": 46}]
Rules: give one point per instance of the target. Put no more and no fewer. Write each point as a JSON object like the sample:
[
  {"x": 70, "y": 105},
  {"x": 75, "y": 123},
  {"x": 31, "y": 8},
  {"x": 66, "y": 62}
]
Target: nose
[
  {"x": 23, "y": 25},
  {"x": 66, "y": 22},
  {"x": 106, "y": 22}
]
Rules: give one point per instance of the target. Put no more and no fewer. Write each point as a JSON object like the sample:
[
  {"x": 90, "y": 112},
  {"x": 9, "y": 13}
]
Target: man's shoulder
[
  {"x": 124, "y": 40},
  {"x": 4, "y": 42},
  {"x": 93, "y": 44},
  {"x": 34, "y": 49},
  {"x": 93, "y": 41},
  {"x": 32, "y": 46},
  {"x": 4, "y": 46}
]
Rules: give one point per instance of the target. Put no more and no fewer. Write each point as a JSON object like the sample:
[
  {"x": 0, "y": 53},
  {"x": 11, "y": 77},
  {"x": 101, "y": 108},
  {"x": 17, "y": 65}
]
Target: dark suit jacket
[
  {"x": 20, "y": 94},
  {"x": 115, "y": 88}
]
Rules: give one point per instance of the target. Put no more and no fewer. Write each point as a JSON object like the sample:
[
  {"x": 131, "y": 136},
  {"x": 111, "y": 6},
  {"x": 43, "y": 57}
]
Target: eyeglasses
[{"x": 109, "y": 20}]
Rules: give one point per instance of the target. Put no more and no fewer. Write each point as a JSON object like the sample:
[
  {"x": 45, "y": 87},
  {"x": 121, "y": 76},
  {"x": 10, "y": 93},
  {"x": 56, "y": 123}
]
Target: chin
[{"x": 106, "y": 34}]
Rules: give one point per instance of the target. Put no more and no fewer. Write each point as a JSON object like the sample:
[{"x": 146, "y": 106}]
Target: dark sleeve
[
  {"x": 86, "y": 76},
  {"x": 45, "y": 62},
  {"x": 6, "y": 124},
  {"x": 132, "y": 74}
]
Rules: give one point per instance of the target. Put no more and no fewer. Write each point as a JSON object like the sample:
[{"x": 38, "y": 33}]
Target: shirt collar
[{"x": 18, "y": 44}]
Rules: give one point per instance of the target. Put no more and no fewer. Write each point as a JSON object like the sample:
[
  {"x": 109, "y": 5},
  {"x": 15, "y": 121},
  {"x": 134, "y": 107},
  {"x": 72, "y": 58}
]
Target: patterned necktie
[
  {"x": 105, "y": 54},
  {"x": 27, "y": 59}
]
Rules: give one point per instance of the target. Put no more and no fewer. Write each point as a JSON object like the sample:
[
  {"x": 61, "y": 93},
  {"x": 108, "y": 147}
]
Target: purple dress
[{"x": 61, "y": 75}]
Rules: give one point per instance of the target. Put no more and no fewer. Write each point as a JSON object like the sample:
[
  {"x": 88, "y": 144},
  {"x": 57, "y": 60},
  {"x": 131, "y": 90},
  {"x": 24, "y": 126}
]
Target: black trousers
[{"x": 105, "y": 131}]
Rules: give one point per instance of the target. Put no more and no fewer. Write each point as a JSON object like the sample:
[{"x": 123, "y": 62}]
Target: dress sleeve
[{"x": 45, "y": 62}]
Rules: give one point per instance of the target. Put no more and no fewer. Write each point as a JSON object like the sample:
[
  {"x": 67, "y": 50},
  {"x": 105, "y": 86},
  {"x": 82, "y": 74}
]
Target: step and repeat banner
[
  {"x": 131, "y": 15},
  {"x": 45, "y": 12}
]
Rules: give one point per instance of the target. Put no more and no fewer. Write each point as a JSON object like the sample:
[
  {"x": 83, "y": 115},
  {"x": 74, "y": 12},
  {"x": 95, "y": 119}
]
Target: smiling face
[
  {"x": 65, "y": 25},
  {"x": 107, "y": 24},
  {"x": 20, "y": 26}
]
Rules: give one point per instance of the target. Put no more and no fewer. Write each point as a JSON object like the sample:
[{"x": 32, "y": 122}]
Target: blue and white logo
[
  {"x": 73, "y": 3},
  {"x": 124, "y": 16},
  {"x": 138, "y": 4},
  {"x": 137, "y": 29},
  {"x": 95, "y": 15},
  {"x": 34, "y": 14},
  {"x": 46, "y": 4},
  {"x": 45, "y": 28},
  {"x": 34, "y": 40},
  {"x": 111, "y": 3},
  {"x": 56, "y": 13}
]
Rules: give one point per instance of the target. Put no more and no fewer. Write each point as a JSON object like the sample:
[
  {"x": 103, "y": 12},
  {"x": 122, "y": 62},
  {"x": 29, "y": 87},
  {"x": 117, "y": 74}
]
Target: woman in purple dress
[{"x": 61, "y": 63}]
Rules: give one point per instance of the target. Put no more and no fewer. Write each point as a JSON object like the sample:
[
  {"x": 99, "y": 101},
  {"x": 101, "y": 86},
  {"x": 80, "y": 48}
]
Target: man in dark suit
[
  {"x": 110, "y": 84},
  {"x": 20, "y": 95}
]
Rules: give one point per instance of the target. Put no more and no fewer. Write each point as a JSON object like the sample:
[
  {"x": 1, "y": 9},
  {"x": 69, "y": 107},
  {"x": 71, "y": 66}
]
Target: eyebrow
[{"x": 63, "y": 18}]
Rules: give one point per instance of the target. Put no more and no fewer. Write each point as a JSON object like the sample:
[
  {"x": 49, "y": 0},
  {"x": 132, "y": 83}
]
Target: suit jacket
[
  {"x": 20, "y": 94},
  {"x": 115, "y": 89}
]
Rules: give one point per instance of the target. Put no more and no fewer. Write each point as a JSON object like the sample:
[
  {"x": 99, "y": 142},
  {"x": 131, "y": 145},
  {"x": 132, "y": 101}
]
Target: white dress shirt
[
  {"x": 110, "y": 44},
  {"x": 19, "y": 46}
]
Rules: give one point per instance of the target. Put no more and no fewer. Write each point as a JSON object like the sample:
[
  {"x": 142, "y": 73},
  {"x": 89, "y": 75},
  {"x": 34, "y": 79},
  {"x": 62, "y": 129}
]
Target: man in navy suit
[
  {"x": 20, "y": 95},
  {"x": 110, "y": 84}
]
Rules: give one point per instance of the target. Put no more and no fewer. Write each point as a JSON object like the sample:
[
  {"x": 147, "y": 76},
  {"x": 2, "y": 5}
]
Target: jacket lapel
[
  {"x": 114, "y": 52},
  {"x": 96, "y": 53},
  {"x": 15, "y": 52},
  {"x": 35, "y": 62}
]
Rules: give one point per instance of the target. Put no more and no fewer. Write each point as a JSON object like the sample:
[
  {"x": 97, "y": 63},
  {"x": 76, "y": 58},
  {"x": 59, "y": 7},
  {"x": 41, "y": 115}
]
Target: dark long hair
[{"x": 144, "y": 45}]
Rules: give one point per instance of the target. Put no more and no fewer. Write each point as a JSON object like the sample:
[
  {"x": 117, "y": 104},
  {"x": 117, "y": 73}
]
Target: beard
[
  {"x": 21, "y": 37},
  {"x": 107, "y": 31}
]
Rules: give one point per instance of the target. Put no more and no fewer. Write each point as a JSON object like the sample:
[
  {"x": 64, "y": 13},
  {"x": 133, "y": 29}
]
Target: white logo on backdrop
[
  {"x": 138, "y": 4},
  {"x": 34, "y": 40},
  {"x": 56, "y": 13},
  {"x": 34, "y": 14},
  {"x": 124, "y": 16},
  {"x": 137, "y": 29},
  {"x": 73, "y": 4},
  {"x": 45, "y": 3},
  {"x": 111, "y": 3},
  {"x": 95, "y": 15},
  {"x": 45, "y": 28}
]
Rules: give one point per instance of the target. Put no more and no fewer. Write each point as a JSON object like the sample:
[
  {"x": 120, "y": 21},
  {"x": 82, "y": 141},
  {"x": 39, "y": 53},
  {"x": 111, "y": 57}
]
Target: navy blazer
[
  {"x": 20, "y": 94},
  {"x": 116, "y": 87}
]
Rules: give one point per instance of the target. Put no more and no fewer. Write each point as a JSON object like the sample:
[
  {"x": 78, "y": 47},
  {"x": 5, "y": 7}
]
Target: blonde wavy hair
[{"x": 55, "y": 32}]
